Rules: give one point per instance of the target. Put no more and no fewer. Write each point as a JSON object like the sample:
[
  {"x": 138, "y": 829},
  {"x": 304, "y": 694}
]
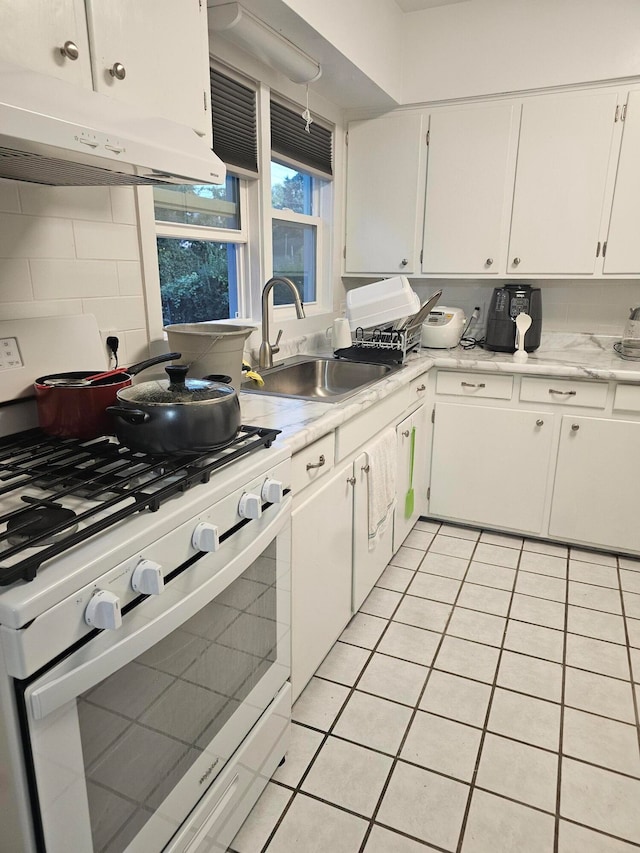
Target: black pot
[{"x": 177, "y": 415}]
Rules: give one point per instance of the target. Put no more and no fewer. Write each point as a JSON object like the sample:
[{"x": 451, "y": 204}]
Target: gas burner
[{"x": 29, "y": 527}]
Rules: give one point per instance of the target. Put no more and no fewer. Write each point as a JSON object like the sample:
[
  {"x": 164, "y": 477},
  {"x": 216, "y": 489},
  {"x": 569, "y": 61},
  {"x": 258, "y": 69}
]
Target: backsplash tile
[{"x": 73, "y": 278}]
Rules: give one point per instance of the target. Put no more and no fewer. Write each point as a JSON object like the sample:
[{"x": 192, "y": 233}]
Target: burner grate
[{"x": 112, "y": 482}]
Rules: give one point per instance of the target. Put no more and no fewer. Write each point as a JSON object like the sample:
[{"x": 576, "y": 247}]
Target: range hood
[{"x": 52, "y": 132}]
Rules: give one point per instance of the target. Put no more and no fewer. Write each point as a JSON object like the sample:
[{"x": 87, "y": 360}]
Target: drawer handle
[
  {"x": 568, "y": 393},
  {"x": 321, "y": 461},
  {"x": 575, "y": 427},
  {"x": 473, "y": 385},
  {"x": 421, "y": 388},
  {"x": 539, "y": 422}
]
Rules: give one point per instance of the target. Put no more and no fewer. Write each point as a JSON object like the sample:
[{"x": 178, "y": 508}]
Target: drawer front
[
  {"x": 564, "y": 392},
  {"x": 627, "y": 398},
  {"x": 493, "y": 385},
  {"x": 312, "y": 463}
]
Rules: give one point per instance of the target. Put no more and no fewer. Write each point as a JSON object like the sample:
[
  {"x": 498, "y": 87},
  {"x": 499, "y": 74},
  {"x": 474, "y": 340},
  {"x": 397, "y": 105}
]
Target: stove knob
[
  {"x": 103, "y": 611},
  {"x": 205, "y": 537},
  {"x": 250, "y": 506},
  {"x": 272, "y": 491},
  {"x": 147, "y": 578}
]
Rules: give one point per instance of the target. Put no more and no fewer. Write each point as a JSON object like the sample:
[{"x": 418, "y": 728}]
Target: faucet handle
[{"x": 275, "y": 347}]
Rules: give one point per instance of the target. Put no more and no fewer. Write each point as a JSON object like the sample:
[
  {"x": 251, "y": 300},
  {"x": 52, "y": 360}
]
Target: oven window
[{"x": 144, "y": 727}]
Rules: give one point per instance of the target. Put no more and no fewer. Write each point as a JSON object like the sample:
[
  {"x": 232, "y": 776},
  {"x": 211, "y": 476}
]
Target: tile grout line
[
  {"x": 556, "y": 827},
  {"x": 634, "y": 693}
]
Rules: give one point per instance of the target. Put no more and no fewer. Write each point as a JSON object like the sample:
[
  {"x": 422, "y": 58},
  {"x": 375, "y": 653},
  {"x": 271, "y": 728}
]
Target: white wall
[
  {"x": 485, "y": 47},
  {"x": 73, "y": 250}
]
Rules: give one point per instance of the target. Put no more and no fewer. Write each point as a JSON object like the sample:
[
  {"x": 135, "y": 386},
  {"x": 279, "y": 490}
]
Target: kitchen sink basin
[{"x": 326, "y": 380}]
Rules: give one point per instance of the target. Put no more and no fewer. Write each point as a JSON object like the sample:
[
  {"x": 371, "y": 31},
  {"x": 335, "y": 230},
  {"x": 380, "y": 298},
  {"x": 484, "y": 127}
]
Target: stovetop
[{"x": 58, "y": 493}]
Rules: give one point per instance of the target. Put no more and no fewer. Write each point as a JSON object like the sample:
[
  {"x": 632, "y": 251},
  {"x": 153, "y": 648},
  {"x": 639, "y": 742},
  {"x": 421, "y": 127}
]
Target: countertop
[{"x": 580, "y": 356}]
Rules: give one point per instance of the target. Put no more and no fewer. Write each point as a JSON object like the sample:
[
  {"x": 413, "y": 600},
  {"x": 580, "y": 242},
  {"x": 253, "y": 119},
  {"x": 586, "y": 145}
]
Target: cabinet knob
[
  {"x": 539, "y": 422},
  {"x": 516, "y": 261},
  {"x": 70, "y": 50},
  {"x": 575, "y": 427},
  {"x": 118, "y": 71},
  {"x": 404, "y": 262},
  {"x": 421, "y": 388},
  {"x": 488, "y": 262},
  {"x": 351, "y": 481},
  {"x": 406, "y": 433}
]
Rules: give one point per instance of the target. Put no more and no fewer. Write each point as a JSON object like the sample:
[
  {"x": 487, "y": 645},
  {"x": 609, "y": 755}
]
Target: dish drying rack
[{"x": 384, "y": 345}]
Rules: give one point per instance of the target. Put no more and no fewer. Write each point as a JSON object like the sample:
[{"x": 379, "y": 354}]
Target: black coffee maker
[{"x": 506, "y": 303}]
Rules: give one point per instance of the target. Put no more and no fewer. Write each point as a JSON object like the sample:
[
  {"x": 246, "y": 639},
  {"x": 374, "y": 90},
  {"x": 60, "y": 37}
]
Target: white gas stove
[{"x": 144, "y": 641}]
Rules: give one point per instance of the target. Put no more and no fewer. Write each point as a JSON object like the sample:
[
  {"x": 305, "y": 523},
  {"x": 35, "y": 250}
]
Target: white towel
[{"x": 382, "y": 460}]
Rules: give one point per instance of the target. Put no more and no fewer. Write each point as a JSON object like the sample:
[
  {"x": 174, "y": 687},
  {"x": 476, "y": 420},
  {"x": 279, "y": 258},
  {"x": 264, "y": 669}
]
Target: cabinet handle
[
  {"x": 568, "y": 393},
  {"x": 404, "y": 262},
  {"x": 406, "y": 433},
  {"x": 118, "y": 71},
  {"x": 516, "y": 261},
  {"x": 321, "y": 461},
  {"x": 539, "y": 422},
  {"x": 420, "y": 388},
  {"x": 473, "y": 385},
  {"x": 575, "y": 427},
  {"x": 351, "y": 481},
  {"x": 70, "y": 50},
  {"x": 488, "y": 262},
  {"x": 366, "y": 468}
]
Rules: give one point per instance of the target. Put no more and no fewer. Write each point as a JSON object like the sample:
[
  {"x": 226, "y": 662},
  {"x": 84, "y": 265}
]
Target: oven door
[{"x": 129, "y": 731}]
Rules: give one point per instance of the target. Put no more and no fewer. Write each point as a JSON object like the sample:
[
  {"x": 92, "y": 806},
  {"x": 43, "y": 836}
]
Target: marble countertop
[{"x": 570, "y": 355}]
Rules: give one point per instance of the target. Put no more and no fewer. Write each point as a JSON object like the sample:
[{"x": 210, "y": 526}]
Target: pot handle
[
  {"x": 131, "y": 416},
  {"x": 149, "y": 362},
  {"x": 219, "y": 377}
]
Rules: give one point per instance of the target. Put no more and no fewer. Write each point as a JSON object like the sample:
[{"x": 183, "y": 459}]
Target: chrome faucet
[{"x": 267, "y": 350}]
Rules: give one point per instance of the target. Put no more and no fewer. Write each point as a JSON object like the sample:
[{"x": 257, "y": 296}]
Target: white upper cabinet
[
  {"x": 385, "y": 168},
  {"x": 161, "y": 48},
  {"x": 151, "y": 53},
  {"x": 47, "y": 37},
  {"x": 563, "y": 158},
  {"x": 623, "y": 239},
  {"x": 469, "y": 180}
]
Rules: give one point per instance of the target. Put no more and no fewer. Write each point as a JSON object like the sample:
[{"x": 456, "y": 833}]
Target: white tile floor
[{"x": 483, "y": 700}]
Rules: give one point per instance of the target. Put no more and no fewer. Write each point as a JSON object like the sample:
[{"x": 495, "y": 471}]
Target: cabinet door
[
  {"x": 489, "y": 465},
  {"x": 623, "y": 240},
  {"x": 403, "y": 523},
  {"x": 34, "y": 33},
  {"x": 163, "y": 46},
  {"x": 595, "y": 494},
  {"x": 367, "y": 565},
  {"x": 321, "y": 534},
  {"x": 563, "y": 157},
  {"x": 467, "y": 199},
  {"x": 384, "y": 164}
]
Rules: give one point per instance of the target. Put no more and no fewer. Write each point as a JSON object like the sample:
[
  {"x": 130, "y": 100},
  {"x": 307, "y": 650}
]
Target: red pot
[{"x": 78, "y": 410}]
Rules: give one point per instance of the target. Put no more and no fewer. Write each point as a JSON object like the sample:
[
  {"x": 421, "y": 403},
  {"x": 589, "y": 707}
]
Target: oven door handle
[{"x": 132, "y": 640}]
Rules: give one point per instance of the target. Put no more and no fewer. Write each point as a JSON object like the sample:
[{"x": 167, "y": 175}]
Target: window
[
  {"x": 198, "y": 264},
  {"x": 294, "y": 201},
  {"x": 300, "y": 197}
]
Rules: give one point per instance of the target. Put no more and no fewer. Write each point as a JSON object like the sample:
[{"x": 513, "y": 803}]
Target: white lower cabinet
[
  {"x": 321, "y": 534},
  {"x": 595, "y": 496},
  {"x": 415, "y": 425},
  {"x": 489, "y": 465}
]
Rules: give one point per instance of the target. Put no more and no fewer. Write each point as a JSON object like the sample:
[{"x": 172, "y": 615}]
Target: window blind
[
  {"x": 233, "y": 114},
  {"x": 290, "y": 140}
]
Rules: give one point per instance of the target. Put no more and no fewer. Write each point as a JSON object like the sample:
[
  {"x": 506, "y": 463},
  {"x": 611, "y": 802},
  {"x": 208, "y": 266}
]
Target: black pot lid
[{"x": 176, "y": 389}]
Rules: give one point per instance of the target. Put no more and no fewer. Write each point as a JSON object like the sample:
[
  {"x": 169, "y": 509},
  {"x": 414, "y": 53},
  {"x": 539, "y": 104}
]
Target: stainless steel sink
[{"x": 326, "y": 380}]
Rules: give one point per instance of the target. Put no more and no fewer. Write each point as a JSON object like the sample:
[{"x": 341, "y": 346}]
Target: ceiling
[{"x": 418, "y": 5}]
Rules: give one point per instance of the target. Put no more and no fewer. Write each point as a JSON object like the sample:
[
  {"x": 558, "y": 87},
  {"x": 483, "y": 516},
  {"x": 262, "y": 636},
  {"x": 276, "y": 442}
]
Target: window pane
[
  {"x": 198, "y": 280},
  {"x": 209, "y": 205},
  {"x": 294, "y": 256},
  {"x": 291, "y": 190}
]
